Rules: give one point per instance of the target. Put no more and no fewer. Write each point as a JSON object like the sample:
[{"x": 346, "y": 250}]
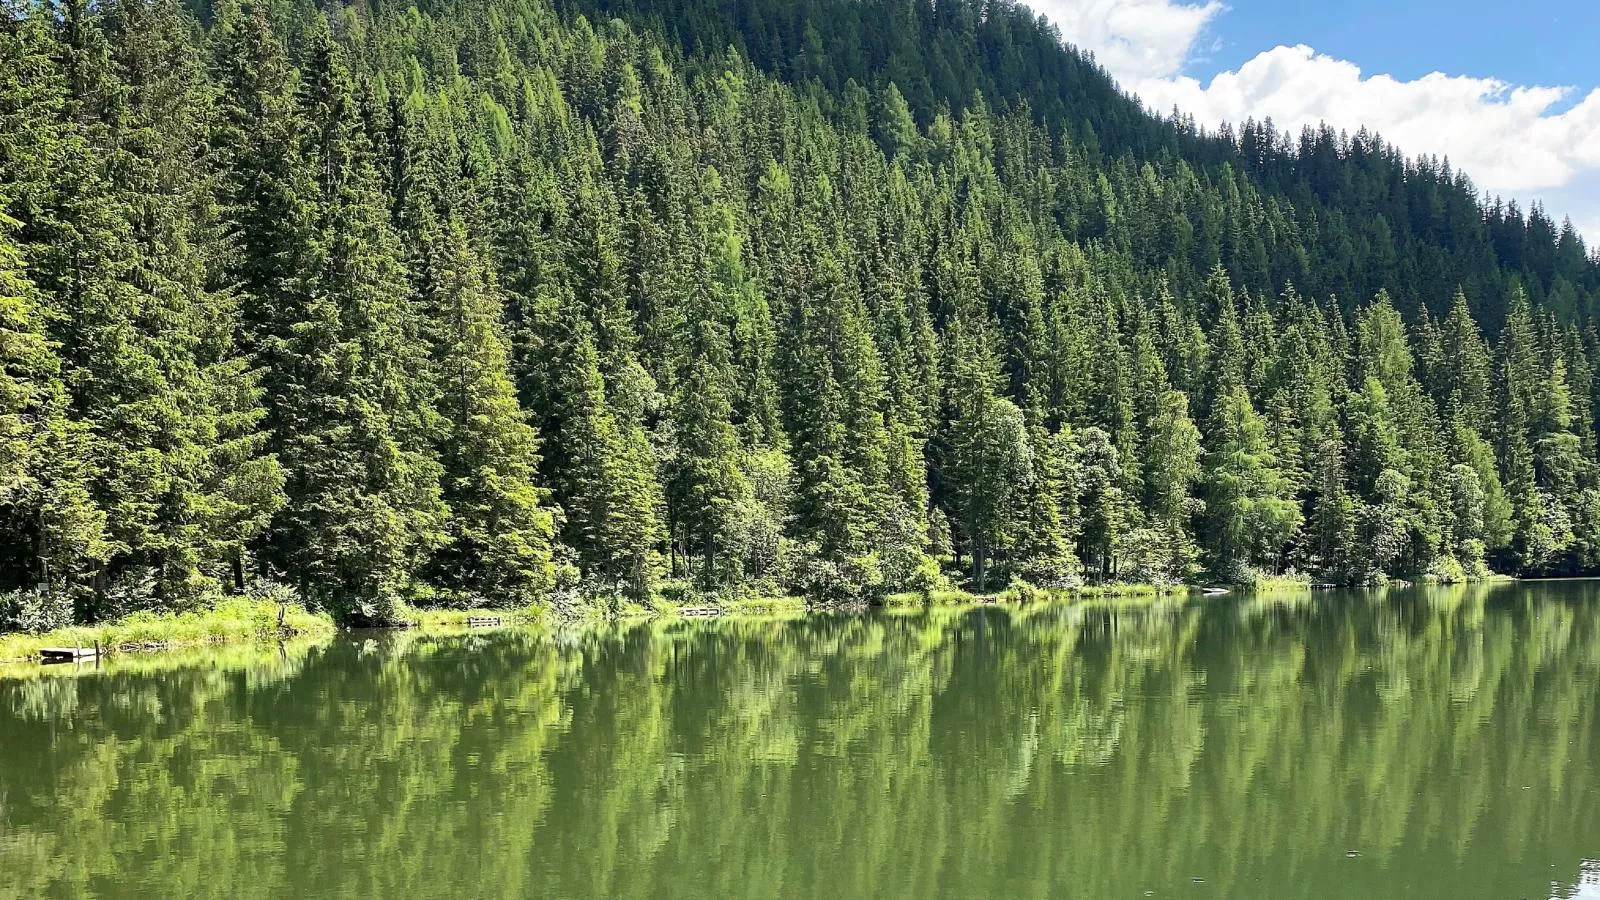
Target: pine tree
[
  {"x": 602, "y": 472},
  {"x": 1171, "y": 471},
  {"x": 990, "y": 458},
  {"x": 1535, "y": 540},
  {"x": 1104, "y": 509},
  {"x": 357, "y": 445},
  {"x": 500, "y": 529},
  {"x": 296, "y": 293},
  {"x": 1250, "y": 517},
  {"x": 51, "y": 530},
  {"x": 146, "y": 342},
  {"x": 705, "y": 486},
  {"x": 834, "y": 420}
]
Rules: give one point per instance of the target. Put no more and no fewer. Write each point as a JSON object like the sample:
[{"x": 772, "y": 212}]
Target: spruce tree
[
  {"x": 990, "y": 460},
  {"x": 1249, "y": 515},
  {"x": 500, "y": 530},
  {"x": 357, "y": 445},
  {"x": 602, "y": 472},
  {"x": 704, "y": 485},
  {"x": 51, "y": 530}
]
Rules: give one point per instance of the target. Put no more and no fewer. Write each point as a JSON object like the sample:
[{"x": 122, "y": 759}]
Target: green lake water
[{"x": 1410, "y": 744}]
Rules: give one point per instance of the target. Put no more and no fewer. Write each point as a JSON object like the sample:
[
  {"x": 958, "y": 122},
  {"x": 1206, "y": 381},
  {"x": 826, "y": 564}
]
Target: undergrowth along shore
[
  {"x": 245, "y": 619},
  {"x": 231, "y": 620}
]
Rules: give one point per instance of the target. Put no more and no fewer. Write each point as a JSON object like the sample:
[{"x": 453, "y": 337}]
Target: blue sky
[
  {"x": 1509, "y": 92},
  {"x": 1553, "y": 43}
]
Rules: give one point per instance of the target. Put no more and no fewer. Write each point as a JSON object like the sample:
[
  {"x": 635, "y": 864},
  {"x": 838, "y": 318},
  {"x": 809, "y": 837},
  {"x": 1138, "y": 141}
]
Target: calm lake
[{"x": 1420, "y": 743}]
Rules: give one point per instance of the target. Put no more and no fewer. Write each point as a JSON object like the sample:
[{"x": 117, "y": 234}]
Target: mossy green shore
[
  {"x": 230, "y": 621},
  {"x": 242, "y": 620}
]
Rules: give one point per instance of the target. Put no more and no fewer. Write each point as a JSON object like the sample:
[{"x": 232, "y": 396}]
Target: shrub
[
  {"x": 34, "y": 612},
  {"x": 1020, "y": 591},
  {"x": 1446, "y": 570}
]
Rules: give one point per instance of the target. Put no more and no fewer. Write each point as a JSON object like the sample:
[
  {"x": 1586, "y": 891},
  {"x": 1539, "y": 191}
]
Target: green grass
[
  {"x": 443, "y": 619},
  {"x": 234, "y": 620},
  {"x": 765, "y": 606},
  {"x": 1029, "y": 594},
  {"x": 1280, "y": 583},
  {"x": 1129, "y": 590}
]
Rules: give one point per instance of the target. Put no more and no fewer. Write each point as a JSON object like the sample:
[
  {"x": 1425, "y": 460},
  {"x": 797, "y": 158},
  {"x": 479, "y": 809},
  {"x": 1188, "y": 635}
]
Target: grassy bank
[
  {"x": 1279, "y": 583},
  {"x": 235, "y": 620},
  {"x": 1027, "y": 593},
  {"x": 766, "y": 606},
  {"x": 427, "y": 619},
  {"x": 244, "y": 620}
]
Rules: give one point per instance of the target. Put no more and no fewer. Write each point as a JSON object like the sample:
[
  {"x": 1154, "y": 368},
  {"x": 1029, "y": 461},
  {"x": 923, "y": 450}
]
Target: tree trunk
[{"x": 979, "y": 566}]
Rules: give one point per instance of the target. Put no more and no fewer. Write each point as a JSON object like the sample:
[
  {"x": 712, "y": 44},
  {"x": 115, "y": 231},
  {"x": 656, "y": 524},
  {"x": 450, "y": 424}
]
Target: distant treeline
[{"x": 487, "y": 302}]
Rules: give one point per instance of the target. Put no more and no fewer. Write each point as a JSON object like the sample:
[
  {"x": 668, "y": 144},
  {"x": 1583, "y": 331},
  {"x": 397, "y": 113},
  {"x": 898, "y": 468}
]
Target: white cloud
[
  {"x": 1508, "y": 138},
  {"x": 1134, "y": 39},
  {"x": 1588, "y": 225},
  {"x": 1505, "y": 136}
]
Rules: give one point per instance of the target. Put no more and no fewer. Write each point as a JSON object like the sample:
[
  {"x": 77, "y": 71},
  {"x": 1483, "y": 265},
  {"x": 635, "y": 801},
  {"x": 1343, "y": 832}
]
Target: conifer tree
[
  {"x": 705, "y": 485},
  {"x": 1249, "y": 515},
  {"x": 990, "y": 458},
  {"x": 602, "y": 470},
  {"x": 357, "y": 446},
  {"x": 500, "y": 529},
  {"x": 1103, "y": 507},
  {"x": 333, "y": 297},
  {"x": 51, "y": 530},
  {"x": 52, "y": 533},
  {"x": 1536, "y": 534}
]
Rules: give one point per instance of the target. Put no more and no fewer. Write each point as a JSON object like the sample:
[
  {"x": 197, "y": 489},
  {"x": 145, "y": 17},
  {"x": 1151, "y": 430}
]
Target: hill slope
[{"x": 1419, "y": 229}]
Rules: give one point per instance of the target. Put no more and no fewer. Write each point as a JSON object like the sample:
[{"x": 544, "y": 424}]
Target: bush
[
  {"x": 1058, "y": 573},
  {"x": 263, "y": 591},
  {"x": 1445, "y": 570},
  {"x": 851, "y": 580},
  {"x": 1020, "y": 591},
  {"x": 33, "y": 612}
]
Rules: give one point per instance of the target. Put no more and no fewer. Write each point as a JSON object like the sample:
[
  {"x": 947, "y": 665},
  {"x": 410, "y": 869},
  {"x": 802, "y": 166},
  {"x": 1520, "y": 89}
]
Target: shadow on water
[{"x": 1430, "y": 742}]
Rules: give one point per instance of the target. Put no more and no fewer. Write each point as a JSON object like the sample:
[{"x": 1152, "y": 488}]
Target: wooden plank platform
[
  {"x": 483, "y": 621},
  {"x": 67, "y": 654}
]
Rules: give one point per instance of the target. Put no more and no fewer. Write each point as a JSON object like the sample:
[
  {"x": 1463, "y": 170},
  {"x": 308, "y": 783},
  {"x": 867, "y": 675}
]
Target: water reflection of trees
[{"x": 1449, "y": 735}]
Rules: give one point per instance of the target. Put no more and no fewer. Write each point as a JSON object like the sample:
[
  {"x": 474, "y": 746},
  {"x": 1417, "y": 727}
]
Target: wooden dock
[
  {"x": 483, "y": 621},
  {"x": 68, "y": 654}
]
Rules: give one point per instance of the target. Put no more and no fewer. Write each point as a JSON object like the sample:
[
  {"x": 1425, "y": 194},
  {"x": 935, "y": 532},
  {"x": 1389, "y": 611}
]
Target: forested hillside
[
  {"x": 1339, "y": 215},
  {"x": 486, "y": 301}
]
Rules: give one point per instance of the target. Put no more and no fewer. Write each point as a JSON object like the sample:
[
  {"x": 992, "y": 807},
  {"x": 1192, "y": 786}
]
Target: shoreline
[
  {"x": 237, "y": 620},
  {"x": 234, "y": 620}
]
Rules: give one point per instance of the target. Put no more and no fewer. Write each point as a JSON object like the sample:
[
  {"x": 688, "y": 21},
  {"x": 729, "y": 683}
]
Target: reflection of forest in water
[{"x": 1447, "y": 735}]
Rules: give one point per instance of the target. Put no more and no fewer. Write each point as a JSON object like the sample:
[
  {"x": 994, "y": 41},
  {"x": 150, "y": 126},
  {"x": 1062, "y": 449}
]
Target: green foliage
[
  {"x": 484, "y": 303},
  {"x": 500, "y": 530},
  {"x": 1251, "y": 515},
  {"x": 34, "y": 613}
]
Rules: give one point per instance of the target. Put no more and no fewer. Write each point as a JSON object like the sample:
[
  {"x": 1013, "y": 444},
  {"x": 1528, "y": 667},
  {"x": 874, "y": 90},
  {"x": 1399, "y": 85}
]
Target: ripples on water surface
[{"x": 1430, "y": 743}]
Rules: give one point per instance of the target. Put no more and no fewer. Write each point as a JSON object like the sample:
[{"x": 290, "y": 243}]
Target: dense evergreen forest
[{"x": 498, "y": 301}]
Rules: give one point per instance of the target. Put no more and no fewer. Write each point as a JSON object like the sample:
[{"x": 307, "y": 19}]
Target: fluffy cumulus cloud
[
  {"x": 1506, "y": 137},
  {"x": 1135, "y": 39},
  {"x": 1513, "y": 140}
]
